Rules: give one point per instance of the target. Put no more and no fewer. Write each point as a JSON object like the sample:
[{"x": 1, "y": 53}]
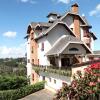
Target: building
[{"x": 62, "y": 41}]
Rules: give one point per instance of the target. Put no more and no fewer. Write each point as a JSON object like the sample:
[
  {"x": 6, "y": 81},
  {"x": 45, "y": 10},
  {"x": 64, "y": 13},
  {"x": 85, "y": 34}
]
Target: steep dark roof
[
  {"x": 83, "y": 19},
  {"x": 54, "y": 13},
  {"x": 63, "y": 42},
  {"x": 43, "y": 24},
  {"x": 44, "y": 33}
]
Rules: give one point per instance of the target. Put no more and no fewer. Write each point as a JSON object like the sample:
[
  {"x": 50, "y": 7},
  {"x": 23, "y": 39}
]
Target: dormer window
[
  {"x": 38, "y": 27},
  {"x": 73, "y": 49},
  {"x": 52, "y": 17}
]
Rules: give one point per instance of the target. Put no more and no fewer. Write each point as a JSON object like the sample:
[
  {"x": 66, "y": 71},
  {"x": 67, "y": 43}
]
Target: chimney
[
  {"x": 76, "y": 20},
  {"x": 75, "y": 8}
]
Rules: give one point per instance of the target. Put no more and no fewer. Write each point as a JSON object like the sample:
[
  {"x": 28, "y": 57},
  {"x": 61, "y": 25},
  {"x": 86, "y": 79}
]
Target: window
[
  {"x": 86, "y": 33},
  {"x": 73, "y": 49},
  {"x": 71, "y": 29},
  {"x": 28, "y": 60},
  {"x": 88, "y": 44},
  {"x": 33, "y": 77},
  {"x": 38, "y": 61},
  {"x": 42, "y": 47},
  {"x": 43, "y": 78},
  {"x": 50, "y": 79},
  {"x": 54, "y": 81},
  {"x": 32, "y": 61},
  {"x": 32, "y": 51}
]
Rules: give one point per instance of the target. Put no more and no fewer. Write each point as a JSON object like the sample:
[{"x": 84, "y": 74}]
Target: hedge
[
  {"x": 12, "y": 82},
  {"x": 21, "y": 92}
]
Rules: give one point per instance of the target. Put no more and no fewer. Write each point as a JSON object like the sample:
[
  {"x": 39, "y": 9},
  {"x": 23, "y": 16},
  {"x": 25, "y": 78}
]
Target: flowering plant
[{"x": 83, "y": 87}]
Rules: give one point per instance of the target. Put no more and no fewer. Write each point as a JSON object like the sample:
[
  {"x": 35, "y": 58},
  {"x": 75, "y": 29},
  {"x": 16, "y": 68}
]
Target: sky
[{"x": 16, "y": 15}]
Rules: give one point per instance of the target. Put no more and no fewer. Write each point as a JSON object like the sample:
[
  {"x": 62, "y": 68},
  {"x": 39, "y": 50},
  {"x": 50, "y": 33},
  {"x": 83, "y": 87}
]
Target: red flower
[
  {"x": 95, "y": 66},
  {"x": 92, "y": 84},
  {"x": 74, "y": 84},
  {"x": 96, "y": 74},
  {"x": 99, "y": 80},
  {"x": 87, "y": 70},
  {"x": 91, "y": 91}
]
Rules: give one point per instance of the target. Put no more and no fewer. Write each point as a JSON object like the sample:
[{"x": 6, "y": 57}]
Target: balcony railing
[
  {"x": 52, "y": 69},
  {"x": 87, "y": 40}
]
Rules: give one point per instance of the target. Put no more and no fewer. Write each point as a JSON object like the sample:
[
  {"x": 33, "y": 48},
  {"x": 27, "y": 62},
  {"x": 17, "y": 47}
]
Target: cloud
[
  {"x": 10, "y": 34},
  {"x": 28, "y": 1},
  {"x": 96, "y": 11},
  {"x": 63, "y": 1},
  {"x": 14, "y": 52}
]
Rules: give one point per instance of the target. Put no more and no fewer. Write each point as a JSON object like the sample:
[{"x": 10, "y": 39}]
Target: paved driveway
[{"x": 40, "y": 95}]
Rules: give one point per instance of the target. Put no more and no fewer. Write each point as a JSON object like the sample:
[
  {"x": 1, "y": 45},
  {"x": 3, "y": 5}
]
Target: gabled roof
[
  {"x": 63, "y": 42},
  {"x": 84, "y": 21},
  {"x": 54, "y": 25},
  {"x": 53, "y": 13},
  {"x": 42, "y": 24}
]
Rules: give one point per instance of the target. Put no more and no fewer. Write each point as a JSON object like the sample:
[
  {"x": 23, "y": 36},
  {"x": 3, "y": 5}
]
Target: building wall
[
  {"x": 28, "y": 49},
  {"x": 53, "y": 83},
  {"x": 43, "y": 60},
  {"x": 28, "y": 58},
  {"x": 78, "y": 46},
  {"x": 92, "y": 43},
  {"x": 49, "y": 41},
  {"x": 69, "y": 21},
  {"x": 82, "y": 33},
  {"x": 56, "y": 33}
]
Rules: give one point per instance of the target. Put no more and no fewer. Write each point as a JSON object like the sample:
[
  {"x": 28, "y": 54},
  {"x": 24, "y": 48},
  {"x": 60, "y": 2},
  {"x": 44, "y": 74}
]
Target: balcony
[
  {"x": 86, "y": 40},
  {"x": 53, "y": 70}
]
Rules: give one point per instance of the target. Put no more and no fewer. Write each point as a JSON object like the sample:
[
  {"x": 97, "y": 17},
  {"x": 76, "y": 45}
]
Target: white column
[{"x": 59, "y": 61}]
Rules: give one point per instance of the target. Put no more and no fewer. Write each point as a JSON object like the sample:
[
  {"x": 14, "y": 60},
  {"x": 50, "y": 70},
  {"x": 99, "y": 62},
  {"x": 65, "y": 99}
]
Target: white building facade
[{"x": 62, "y": 41}]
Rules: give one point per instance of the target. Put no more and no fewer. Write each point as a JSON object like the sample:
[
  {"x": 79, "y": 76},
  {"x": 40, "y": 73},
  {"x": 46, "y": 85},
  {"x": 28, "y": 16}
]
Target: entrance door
[{"x": 65, "y": 61}]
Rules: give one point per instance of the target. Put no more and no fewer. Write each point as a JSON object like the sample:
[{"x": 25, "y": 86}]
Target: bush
[
  {"x": 21, "y": 92},
  {"x": 12, "y": 82},
  {"x": 83, "y": 87}
]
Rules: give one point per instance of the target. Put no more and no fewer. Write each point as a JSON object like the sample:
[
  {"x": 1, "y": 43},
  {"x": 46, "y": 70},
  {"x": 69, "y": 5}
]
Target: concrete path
[{"x": 40, "y": 95}]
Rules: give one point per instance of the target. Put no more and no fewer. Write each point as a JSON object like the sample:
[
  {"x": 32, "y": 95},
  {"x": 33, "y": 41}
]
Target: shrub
[
  {"x": 66, "y": 72},
  {"x": 83, "y": 87},
  {"x": 21, "y": 92},
  {"x": 12, "y": 82}
]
